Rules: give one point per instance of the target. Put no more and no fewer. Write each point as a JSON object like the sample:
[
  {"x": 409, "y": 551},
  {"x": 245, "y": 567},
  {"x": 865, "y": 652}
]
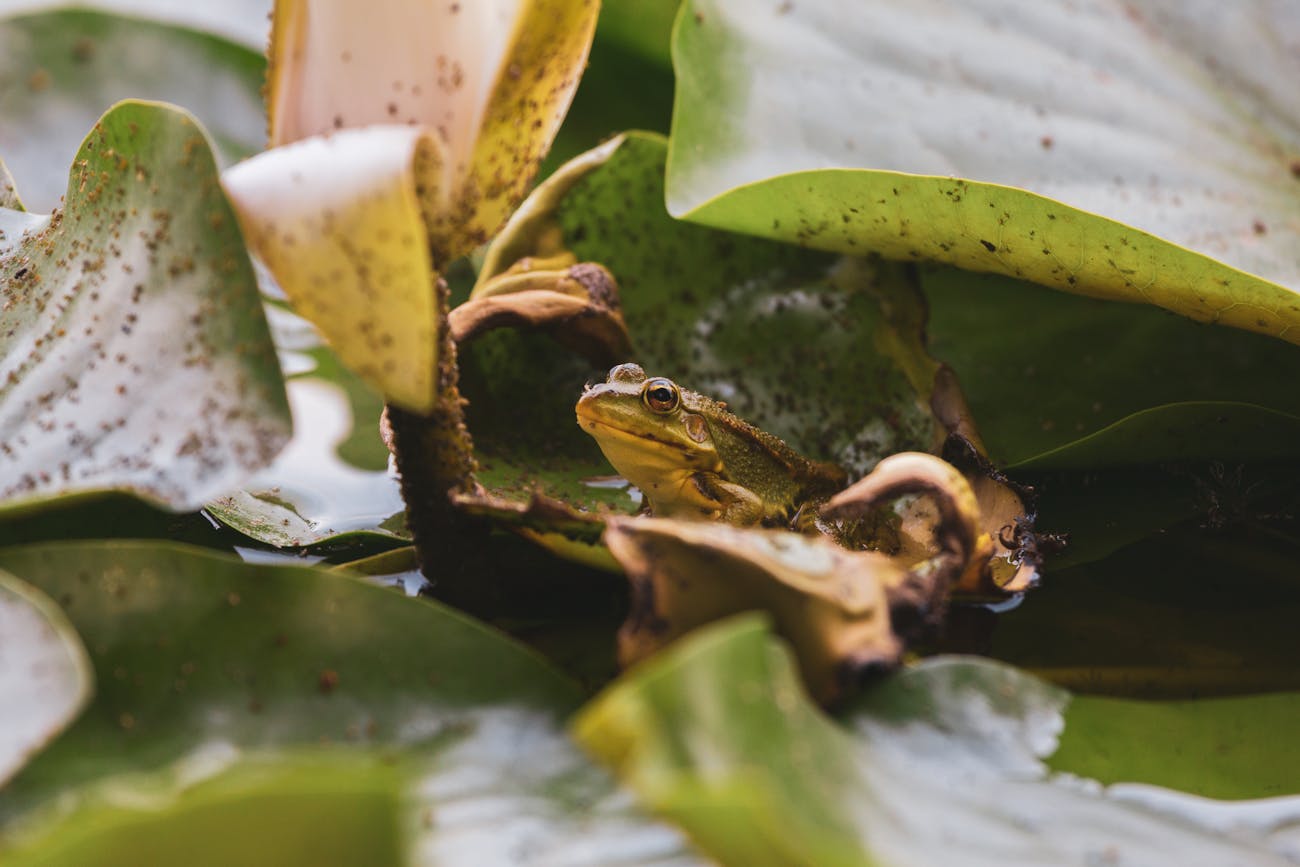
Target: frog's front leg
[{"x": 736, "y": 504}]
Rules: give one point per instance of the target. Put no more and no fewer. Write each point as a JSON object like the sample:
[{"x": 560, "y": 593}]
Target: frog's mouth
[{"x": 599, "y": 429}]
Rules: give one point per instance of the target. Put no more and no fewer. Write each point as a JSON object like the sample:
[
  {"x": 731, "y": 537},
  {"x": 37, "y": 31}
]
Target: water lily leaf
[
  {"x": 60, "y": 68},
  {"x": 133, "y": 348},
  {"x": 341, "y": 224},
  {"x": 940, "y": 764},
  {"x": 216, "y": 677},
  {"x": 45, "y": 674},
  {"x": 1051, "y": 396},
  {"x": 1192, "y": 612},
  {"x": 787, "y": 337},
  {"x": 1220, "y": 748},
  {"x": 1144, "y": 153}
]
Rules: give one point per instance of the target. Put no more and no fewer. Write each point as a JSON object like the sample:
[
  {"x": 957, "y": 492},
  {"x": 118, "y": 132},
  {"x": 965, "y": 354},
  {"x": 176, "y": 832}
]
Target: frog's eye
[{"x": 661, "y": 395}]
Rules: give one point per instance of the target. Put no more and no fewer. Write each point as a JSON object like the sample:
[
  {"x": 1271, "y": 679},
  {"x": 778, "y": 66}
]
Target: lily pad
[
  {"x": 132, "y": 343},
  {"x": 940, "y": 765},
  {"x": 224, "y": 686},
  {"x": 1189, "y": 613},
  {"x": 1145, "y": 153},
  {"x": 794, "y": 341},
  {"x": 59, "y": 69},
  {"x": 45, "y": 674},
  {"x": 1063, "y": 382}
]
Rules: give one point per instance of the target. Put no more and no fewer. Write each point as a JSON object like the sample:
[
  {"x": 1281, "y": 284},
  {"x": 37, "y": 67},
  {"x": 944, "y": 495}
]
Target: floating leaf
[
  {"x": 270, "y": 695},
  {"x": 45, "y": 675},
  {"x": 1058, "y": 394},
  {"x": 60, "y": 68},
  {"x": 1144, "y": 153},
  {"x": 133, "y": 348},
  {"x": 784, "y": 335},
  {"x": 939, "y": 765}
]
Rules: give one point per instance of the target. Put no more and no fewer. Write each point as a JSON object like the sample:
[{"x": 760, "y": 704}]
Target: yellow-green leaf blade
[{"x": 1108, "y": 154}]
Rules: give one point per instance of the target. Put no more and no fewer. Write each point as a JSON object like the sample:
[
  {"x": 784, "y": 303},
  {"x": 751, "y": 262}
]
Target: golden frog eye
[{"x": 661, "y": 395}]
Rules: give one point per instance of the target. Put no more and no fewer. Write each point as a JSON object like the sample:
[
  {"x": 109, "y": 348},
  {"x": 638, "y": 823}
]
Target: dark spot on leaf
[{"x": 988, "y": 245}]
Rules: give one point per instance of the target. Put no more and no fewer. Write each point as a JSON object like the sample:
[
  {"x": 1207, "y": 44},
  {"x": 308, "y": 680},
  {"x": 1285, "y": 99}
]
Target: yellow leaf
[{"x": 340, "y": 221}]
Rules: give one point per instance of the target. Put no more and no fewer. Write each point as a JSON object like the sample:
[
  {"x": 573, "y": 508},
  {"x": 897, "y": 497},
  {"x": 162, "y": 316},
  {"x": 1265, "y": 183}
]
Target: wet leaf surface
[
  {"x": 223, "y": 687},
  {"x": 1017, "y": 158},
  {"x": 941, "y": 764},
  {"x": 134, "y": 349},
  {"x": 60, "y": 69},
  {"x": 45, "y": 675}
]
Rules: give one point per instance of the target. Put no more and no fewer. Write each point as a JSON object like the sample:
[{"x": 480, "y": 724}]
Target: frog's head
[{"x": 646, "y": 427}]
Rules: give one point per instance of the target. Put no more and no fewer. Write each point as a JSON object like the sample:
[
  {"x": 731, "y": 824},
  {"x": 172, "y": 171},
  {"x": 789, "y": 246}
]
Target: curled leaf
[
  {"x": 45, "y": 675},
  {"x": 831, "y": 604},
  {"x": 342, "y": 225}
]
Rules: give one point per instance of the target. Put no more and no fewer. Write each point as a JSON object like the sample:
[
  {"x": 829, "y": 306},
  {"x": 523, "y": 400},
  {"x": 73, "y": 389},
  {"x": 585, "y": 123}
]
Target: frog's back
[{"x": 785, "y": 479}]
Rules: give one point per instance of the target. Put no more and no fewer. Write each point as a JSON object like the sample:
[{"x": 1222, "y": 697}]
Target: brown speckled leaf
[{"x": 133, "y": 349}]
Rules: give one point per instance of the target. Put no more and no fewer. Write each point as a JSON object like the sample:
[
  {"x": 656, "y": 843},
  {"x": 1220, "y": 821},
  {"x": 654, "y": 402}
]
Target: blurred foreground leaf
[{"x": 939, "y": 765}]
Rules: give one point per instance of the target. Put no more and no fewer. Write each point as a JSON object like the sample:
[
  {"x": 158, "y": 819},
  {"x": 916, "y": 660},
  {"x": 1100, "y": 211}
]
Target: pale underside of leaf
[
  {"x": 340, "y": 221},
  {"x": 45, "y": 676},
  {"x": 1111, "y": 149},
  {"x": 133, "y": 349}
]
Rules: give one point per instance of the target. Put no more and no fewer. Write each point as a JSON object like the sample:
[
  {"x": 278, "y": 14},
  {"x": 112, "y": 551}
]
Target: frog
[{"x": 692, "y": 458}]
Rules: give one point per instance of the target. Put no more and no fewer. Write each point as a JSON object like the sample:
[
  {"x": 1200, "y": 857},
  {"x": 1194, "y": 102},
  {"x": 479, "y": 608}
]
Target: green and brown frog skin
[{"x": 692, "y": 458}]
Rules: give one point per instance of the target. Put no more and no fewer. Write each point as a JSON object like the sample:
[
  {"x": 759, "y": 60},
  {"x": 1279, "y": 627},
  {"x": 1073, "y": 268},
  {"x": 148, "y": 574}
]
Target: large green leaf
[
  {"x": 1144, "y": 152},
  {"x": 794, "y": 341},
  {"x": 233, "y": 699},
  {"x": 133, "y": 348},
  {"x": 1192, "y": 612},
  {"x": 939, "y": 765},
  {"x": 45, "y": 675},
  {"x": 1060, "y": 381},
  {"x": 60, "y": 69}
]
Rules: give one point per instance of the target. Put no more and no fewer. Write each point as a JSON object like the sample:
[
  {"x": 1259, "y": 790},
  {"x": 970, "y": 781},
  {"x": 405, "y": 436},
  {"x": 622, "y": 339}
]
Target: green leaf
[
  {"x": 225, "y": 687},
  {"x": 1219, "y": 748},
  {"x": 133, "y": 348},
  {"x": 825, "y": 375},
  {"x": 60, "y": 69},
  {"x": 1192, "y": 612},
  {"x": 1138, "y": 154},
  {"x": 45, "y": 675},
  {"x": 1093, "y": 383},
  {"x": 939, "y": 765}
]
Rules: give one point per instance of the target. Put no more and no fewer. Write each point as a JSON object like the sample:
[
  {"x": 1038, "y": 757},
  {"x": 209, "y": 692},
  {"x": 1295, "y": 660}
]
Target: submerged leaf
[
  {"x": 1145, "y": 153},
  {"x": 938, "y": 765},
  {"x": 45, "y": 676},
  {"x": 133, "y": 350}
]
